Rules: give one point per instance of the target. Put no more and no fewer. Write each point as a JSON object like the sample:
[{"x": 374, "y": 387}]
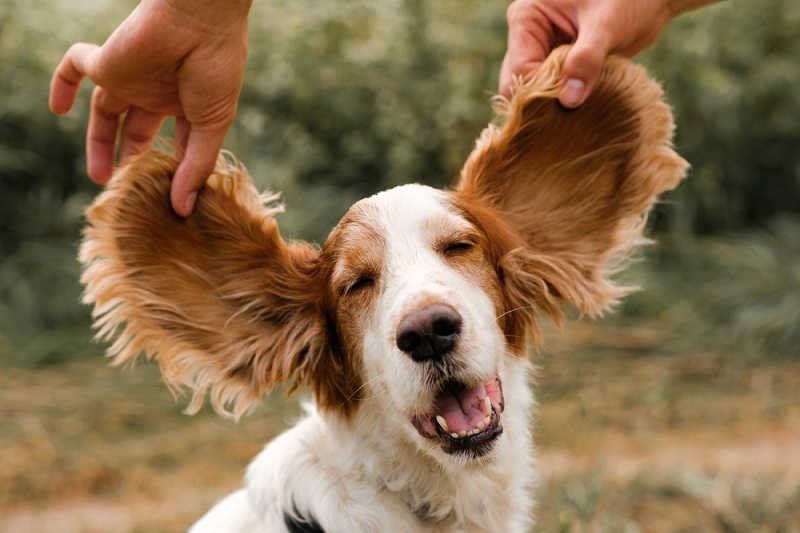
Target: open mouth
[{"x": 465, "y": 419}]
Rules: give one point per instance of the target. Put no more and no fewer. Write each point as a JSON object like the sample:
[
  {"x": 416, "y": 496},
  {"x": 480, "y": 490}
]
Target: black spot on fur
[{"x": 301, "y": 525}]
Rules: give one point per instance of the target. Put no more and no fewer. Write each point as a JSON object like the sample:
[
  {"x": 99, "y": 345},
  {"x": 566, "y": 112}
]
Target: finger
[
  {"x": 508, "y": 73},
  {"x": 182, "y": 129},
  {"x": 101, "y": 136},
  {"x": 531, "y": 37},
  {"x": 199, "y": 159},
  {"x": 504, "y": 87},
  {"x": 582, "y": 66},
  {"x": 138, "y": 131},
  {"x": 67, "y": 77}
]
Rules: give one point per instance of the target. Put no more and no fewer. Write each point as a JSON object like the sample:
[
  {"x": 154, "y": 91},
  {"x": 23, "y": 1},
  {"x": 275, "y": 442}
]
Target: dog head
[{"x": 418, "y": 305}]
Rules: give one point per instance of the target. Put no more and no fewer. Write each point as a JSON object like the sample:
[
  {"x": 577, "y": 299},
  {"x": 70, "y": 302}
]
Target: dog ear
[
  {"x": 223, "y": 303},
  {"x": 574, "y": 186}
]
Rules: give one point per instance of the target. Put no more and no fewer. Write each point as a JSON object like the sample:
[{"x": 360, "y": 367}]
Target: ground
[{"x": 633, "y": 434}]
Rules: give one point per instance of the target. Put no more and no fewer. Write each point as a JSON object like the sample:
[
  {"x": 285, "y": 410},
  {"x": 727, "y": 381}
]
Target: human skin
[
  {"x": 596, "y": 27},
  {"x": 181, "y": 58}
]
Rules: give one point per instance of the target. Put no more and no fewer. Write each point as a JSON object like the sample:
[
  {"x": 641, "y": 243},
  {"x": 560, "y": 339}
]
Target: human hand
[
  {"x": 596, "y": 27},
  {"x": 181, "y": 58}
]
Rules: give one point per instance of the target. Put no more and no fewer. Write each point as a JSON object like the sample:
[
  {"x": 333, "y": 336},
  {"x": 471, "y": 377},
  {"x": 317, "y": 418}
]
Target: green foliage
[
  {"x": 739, "y": 294},
  {"x": 345, "y": 98},
  {"x": 40, "y": 211},
  {"x": 44, "y": 189},
  {"x": 732, "y": 74}
]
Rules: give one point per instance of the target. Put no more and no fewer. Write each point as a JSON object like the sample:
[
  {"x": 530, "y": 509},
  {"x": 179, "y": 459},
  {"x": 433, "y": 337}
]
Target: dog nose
[{"x": 429, "y": 333}]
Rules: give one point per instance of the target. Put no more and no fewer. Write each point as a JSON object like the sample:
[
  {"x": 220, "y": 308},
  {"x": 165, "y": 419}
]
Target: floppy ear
[
  {"x": 223, "y": 303},
  {"x": 573, "y": 186}
]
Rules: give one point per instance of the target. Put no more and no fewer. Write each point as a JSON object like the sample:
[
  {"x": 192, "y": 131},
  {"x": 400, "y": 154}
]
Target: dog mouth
[{"x": 464, "y": 418}]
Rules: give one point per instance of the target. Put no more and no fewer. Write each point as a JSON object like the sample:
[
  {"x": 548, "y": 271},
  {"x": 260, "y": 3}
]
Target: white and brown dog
[{"x": 409, "y": 324}]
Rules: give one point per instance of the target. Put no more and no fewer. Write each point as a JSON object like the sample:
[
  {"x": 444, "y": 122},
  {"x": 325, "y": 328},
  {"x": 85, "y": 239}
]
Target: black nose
[{"x": 429, "y": 333}]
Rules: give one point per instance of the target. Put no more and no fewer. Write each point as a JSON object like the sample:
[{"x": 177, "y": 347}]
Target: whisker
[
  {"x": 352, "y": 395},
  {"x": 385, "y": 408},
  {"x": 522, "y": 308},
  {"x": 377, "y": 395}
]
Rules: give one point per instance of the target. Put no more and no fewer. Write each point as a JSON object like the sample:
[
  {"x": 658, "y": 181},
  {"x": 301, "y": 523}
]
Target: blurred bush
[
  {"x": 739, "y": 293},
  {"x": 44, "y": 190},
  {"x": 732, "y": 74},
  {"x": 345, "y": 98}
]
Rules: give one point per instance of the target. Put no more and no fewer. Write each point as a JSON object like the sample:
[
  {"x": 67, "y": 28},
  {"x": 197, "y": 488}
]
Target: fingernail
[
  {"x": 572, "y": 93},
  {"x": 188, "y": 204}
]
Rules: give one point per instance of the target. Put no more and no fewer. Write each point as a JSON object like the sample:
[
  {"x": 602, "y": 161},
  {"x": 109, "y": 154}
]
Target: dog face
[
  {"x": 416, "y": 295},
  {"x": 420, "y": 301}
]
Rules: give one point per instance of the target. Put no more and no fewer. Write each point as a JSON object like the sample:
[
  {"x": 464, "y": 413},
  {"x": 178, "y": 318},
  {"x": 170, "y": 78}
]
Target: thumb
[
  {"x": 582, "y": 67},
  {"x": 197, "y": 164}
]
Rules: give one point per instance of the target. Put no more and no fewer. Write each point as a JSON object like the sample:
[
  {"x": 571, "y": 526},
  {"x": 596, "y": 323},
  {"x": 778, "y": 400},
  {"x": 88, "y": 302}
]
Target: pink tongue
[{"x": 462, "y": 409}]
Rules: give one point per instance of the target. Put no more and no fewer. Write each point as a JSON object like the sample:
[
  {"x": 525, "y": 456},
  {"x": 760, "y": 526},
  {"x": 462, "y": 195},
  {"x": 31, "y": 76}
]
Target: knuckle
[
  {"x": 588, "y": 59},
  {"x": 515, "y": 10}
]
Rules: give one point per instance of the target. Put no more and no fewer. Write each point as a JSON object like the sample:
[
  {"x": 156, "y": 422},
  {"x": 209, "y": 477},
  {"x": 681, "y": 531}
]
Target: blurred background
[{"x": 681, "y": 412}]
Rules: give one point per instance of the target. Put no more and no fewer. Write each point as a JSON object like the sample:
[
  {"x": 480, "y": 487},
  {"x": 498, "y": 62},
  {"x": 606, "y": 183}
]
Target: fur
[{"x": 546, "y": 208}]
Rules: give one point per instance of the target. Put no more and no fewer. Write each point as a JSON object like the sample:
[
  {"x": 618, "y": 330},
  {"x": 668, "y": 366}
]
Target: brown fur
[
  {"x": 574, "y": 185},
  {"x": 222, "y": 302},
  {"x": 229, "y": 308}
]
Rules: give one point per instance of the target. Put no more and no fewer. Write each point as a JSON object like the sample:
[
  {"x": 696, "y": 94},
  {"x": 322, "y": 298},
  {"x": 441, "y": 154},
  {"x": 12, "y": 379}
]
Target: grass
[
  {"x": 631, "y": 435},
  {"x": 91, "y": 448},
  {"x": 635, "y": 435}
]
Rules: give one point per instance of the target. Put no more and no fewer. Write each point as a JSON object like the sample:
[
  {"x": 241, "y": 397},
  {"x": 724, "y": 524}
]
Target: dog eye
[
  {"x": 457, "y": 247},
  {"x": 358, "y": 284}
]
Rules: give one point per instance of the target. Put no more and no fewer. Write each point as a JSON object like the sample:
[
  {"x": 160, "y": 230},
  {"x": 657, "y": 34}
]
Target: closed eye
[
  {"x": 457, "y": 247},
  {"x": 358, "y": 284}
]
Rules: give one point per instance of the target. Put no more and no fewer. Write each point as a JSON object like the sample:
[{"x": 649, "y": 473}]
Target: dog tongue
[{"x": 462, "y": 408}]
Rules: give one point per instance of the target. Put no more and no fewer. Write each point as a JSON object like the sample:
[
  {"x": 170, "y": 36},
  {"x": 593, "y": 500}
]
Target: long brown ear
[
  {"x": 575, "y": 186},
  {"x": 223, "y": 303}
]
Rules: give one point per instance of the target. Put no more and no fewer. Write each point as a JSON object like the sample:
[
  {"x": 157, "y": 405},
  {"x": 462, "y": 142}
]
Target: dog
[{"x": 410, "y": 324}]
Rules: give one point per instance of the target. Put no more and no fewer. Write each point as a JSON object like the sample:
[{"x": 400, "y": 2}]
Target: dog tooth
[
  {"x": 443, "y": 423},
  {"x": 487, "y": 406},
  {"x": 482, "y": 424},
  {"x": 462, "y": 434},
  {"x": 454, "y": 435},
  {"x": 487, "y": 420}
]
